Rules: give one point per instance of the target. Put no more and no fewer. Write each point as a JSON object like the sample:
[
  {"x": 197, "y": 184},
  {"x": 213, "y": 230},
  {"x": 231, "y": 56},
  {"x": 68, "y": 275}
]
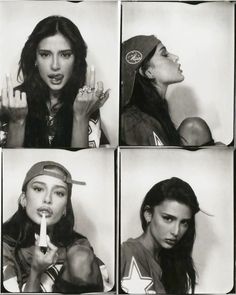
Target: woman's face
[
  {"x": 168, "y": 223},
  {"x": 46, "y": 195},
  {"x": 55, "y": 61},
  {"x": 164, "y": 67}
]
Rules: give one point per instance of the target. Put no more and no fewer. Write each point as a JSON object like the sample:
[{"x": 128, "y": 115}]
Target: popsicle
[{"x": 43, "y": 234}]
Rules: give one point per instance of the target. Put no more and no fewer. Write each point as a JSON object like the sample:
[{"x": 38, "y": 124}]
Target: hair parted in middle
[
  {"x": 38, "y": 92},
  {"x": 178, "y": 273}
]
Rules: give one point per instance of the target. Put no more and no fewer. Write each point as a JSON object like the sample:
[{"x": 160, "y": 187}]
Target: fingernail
[
  {"x": 48, "y": 239},
  {"x": 36, "y": 236},
  {"x": 92, "y": 68}
]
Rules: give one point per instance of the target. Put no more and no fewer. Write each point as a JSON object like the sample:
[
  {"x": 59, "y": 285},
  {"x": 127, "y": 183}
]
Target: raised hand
[
  {"x": 89, "y": 99},
  {"x": 13, "y": 103},
  {"x": 41, "y": 261}
]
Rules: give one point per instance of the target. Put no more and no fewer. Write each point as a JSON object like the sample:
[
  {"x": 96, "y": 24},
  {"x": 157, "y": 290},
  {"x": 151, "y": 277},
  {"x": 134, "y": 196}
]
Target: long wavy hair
[
  {"x": 148, "y": 100},
  {"x": 178, "y": 272},
  {"x": 37, "y": 91}
]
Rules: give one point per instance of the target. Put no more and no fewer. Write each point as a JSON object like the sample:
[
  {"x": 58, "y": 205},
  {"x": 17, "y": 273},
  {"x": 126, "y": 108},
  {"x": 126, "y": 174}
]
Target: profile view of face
[
  {"x": 55, "y": 61},
  {"x": 164, "y": 67},
  {"x": 45, "y": 195},
  {"x": 168, "y": 223}
]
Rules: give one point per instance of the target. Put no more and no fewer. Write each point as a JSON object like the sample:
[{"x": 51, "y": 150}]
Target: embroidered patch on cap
[{"x": 133, "y": 57}]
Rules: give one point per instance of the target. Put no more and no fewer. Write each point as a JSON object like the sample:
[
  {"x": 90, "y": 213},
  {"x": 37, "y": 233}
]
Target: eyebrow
[
  {"x": 41, "y": 50},
  {"x": 44, "y": 184},
  {"x": 173, "y": 216},
  {"x": 163, "y": 48}
]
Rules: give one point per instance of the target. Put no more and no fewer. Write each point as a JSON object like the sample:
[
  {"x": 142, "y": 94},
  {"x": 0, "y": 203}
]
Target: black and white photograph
[
  {"x": 117, "y": 145},
  {"x": 177, "y": 74},
  {"x": 55, "y": 235},
  {"x": 59, "y": 74},
  {"x": 176, "y": 221}
]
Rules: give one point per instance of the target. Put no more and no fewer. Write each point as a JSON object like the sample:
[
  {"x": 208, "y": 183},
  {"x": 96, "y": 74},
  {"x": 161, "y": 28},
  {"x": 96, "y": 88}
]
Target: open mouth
[
  {"x": 56, "y": 78},
  {"x": 45, "y": 210},
  {"x": 179, "y": 69}
]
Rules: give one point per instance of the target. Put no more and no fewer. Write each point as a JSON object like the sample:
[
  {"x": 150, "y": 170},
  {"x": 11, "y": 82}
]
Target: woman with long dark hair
[
  {"x": 53, "y": 107},
  {"x": 61, "y": 261},
  {"x": 160, "y": 260},
  {"x": 147, "y": 70}
]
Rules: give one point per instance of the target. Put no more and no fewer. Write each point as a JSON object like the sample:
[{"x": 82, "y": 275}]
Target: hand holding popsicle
[
  {"x": 89, "y": 99},
  {"x": 41, "y": 261},
  {"x": 13, "y": 103}
]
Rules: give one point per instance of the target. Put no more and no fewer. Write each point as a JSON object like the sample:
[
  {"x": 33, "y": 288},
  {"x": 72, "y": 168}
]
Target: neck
[
  {"x": 54, "y": 97},
  {"x": 147, "y": 240},
  {"x": 161, "y": 89}
]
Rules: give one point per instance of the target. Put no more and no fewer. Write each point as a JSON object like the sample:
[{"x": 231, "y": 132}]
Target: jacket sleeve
[{"x": 10, "y": 277}]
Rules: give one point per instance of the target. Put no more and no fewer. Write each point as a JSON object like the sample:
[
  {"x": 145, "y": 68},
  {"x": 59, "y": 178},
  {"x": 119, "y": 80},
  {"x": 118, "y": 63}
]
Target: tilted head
[
  {"x": 47, "y": 28},
  {"x": 47, "y": 190},
  {"x": 147, "y": 56},
  {"x": 168, "y": 211}
]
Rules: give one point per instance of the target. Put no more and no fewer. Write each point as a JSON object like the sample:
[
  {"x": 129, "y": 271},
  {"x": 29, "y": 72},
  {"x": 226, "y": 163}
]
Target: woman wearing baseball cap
[
  {"x": 61, "y": 261},
  {"x": 147, "y": 70}
]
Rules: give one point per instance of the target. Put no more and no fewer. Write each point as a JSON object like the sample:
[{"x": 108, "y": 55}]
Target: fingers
[
  {"x": 91, "y": 78},
  {"x": 104, "y": 98},
  {"x": 99, "y": 89},
  {"x": 9, "y": 86},
  {"x": 11, "y": 99},
  {"x": 5, "y": 101}
]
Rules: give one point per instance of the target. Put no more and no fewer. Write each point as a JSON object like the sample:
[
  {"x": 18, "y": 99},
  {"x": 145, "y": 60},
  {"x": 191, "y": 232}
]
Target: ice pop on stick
[{"x": 43, "y": 234}]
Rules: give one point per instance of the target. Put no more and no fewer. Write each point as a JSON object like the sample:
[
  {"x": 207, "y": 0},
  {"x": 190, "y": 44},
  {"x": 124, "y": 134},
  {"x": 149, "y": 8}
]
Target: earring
[{"x": 64, "y": 213}]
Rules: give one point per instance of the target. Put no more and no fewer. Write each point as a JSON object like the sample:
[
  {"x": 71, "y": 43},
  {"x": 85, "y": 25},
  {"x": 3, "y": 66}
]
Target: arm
[
  {"x": 40, "y": 262},
  {"x": 81, "y": 272},
  {"x": 14, "y": 104},
  {"x": 86, "y": 103}
]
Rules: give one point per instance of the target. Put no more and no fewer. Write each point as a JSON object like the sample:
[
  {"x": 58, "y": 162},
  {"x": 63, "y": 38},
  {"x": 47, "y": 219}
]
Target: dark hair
[
  {"x": 148, "y": 100},
  {"x": 38, "y": 92},
  {"x": 19, "y": 230},
  {"x": 178, "y": 273}
]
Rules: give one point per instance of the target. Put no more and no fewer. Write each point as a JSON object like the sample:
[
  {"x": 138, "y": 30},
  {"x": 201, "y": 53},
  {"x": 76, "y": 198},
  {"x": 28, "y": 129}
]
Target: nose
[
  {"x": 55, "y": 65},
  {"x": 174, "y": 57},
  {"x": 175, "y": 229},
  {"x": 48, "y": 197}
]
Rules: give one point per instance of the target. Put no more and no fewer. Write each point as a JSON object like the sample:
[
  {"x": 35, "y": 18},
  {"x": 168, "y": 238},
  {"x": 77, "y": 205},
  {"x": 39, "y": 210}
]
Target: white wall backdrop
[
  {"x": 210, "y": 174},
  {"x": 203, "y": 37},
  {"x": 98, "y": 23},
  {"x": 96, "y": 168}
]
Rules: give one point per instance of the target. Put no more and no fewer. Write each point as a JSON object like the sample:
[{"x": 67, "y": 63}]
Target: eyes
[
  {"x": 170, "y": 219},
  {"x": 63, "y": 54},
  {"x": 58, "y": 192},
  {"x": 165, "y": 53}
]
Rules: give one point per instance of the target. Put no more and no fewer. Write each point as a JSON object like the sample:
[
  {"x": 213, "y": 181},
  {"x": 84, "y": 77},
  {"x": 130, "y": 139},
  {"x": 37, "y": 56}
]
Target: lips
[
  {"x": 179, "y": 68},
  {"x": 171, "y": 242},
  {"x": 56, "y": 78},
  {"x": 45, "y": 210}
]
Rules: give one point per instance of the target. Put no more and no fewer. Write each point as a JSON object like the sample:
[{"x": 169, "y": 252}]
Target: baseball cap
[
  {"x": 134, "y": 52},
  {"x": 44, "y": 168}
]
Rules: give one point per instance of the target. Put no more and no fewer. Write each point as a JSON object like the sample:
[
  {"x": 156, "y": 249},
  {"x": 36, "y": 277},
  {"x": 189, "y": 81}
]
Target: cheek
[{"x": 69, "y": 66}]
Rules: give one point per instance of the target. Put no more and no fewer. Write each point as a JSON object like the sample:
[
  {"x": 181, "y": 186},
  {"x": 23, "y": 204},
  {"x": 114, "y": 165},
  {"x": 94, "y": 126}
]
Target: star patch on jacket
[{"x": 135, "y": 282}]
